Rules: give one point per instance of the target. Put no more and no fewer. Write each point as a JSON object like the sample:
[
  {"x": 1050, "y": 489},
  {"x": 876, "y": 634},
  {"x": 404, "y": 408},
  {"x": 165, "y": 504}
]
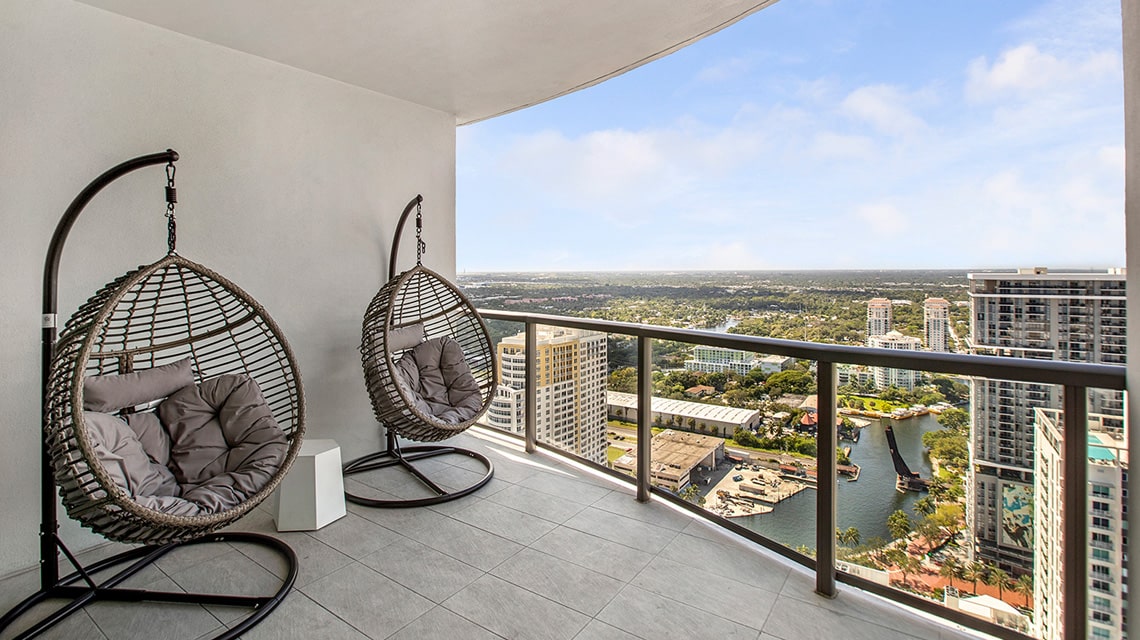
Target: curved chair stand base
[
  {"x": 81, "y": 588},
  {"x": 404, "y": 457}
]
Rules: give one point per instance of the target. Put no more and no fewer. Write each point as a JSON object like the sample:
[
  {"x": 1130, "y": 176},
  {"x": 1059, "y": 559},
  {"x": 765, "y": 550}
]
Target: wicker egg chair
[
  {"x": 421, "y": 301},
  {"x": 165, "y": 312}
]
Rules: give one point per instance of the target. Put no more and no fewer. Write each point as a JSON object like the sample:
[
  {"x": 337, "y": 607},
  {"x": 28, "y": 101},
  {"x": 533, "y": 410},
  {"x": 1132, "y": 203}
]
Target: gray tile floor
[{"x": 544, "y": 551}]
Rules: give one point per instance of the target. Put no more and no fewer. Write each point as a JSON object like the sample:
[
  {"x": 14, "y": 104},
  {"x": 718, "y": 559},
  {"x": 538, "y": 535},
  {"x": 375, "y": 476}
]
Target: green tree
[
  {"x": 899, "y": 525},
  {"x": 743, "y": 437},
  {"x": 930, "y": 531},
  {"x": 790, "y": 381},
  {"x": 924, "y": 506},
  {"x": 909, "y": 564},
  {"x": 949, "y": 569},
  {"x": 955, "y": 419},
  {"x": 717, "y": 380},
  {"x": 739, "y": 398},
  {"x": 624, "y": 380},
  {"x": 692, "y": 494},
  {"x": 974, "y": 571},
  {"x": 1000, "y": 579},
  {"x": 848, "y": 537},
  {"x": 1024, "y": 586},
  {"x": 953, "y": 390}
]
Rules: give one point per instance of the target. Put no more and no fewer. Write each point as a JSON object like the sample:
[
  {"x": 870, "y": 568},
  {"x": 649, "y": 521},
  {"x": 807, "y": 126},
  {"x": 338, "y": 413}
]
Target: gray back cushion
[{"x": 110, "y": 393}]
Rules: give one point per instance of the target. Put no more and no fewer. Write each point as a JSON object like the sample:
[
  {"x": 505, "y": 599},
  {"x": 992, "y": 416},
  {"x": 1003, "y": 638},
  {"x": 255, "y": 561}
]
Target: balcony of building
[
  {"x": 302, "y": 129},
  {"x": 548, "y": 549}
]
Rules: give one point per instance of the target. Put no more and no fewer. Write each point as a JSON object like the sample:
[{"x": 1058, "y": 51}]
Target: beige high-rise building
[
  {"x": 879, "y": 318},
  {"x": 571, "y": 390},
  {"x": 936, "y": 323}
]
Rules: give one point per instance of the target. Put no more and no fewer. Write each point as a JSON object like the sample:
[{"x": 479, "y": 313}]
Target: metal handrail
[{"x": 1099, "y": 376}]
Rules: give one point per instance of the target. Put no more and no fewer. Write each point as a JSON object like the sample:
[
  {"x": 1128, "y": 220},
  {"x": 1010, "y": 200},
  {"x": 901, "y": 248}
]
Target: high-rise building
[
  {"x": 1107, "y": 528},
  {"x": 936, "y": 323},
  {"x": 886, "y": 376},
  {"x": 879, "y": 318},
  {"x": 571, "y": 390},
  {"x": 708, "y": 359},
  {"x": 1030, "y": 314}
]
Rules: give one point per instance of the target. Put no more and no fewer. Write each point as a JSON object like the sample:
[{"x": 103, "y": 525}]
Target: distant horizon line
[{"x": 1051, "y": 270}]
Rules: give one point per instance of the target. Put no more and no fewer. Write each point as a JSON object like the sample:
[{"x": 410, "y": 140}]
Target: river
[{"x": 865, "y": 503}]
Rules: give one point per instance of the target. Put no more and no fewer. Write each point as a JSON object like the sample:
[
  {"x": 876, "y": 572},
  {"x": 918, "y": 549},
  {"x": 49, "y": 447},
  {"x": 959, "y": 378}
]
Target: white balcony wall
[
  {"x": 290, "y": 185},
  {"x": 1131, "y": 39}
]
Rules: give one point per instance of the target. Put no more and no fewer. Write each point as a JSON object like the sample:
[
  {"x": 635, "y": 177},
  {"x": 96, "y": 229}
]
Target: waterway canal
[{"x": 864, "y": 504}]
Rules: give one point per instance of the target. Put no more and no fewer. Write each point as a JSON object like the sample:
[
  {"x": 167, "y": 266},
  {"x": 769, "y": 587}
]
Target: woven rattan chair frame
[
  {"x": 420, "y": 295},
  {"x": 154, "y": 315}
]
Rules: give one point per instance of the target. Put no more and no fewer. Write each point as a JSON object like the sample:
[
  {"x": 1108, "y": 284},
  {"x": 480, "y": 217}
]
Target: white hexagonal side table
[{"x": 311, "y": 495}]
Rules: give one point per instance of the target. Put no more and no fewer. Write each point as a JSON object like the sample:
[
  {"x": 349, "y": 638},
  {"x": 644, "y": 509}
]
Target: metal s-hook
[
  {"x": 421, "y": 246},
  {"x": 171, "y": 200}
]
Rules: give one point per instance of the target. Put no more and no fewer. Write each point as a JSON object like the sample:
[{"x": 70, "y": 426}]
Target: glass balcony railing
[{"x": 939, "y": 534}]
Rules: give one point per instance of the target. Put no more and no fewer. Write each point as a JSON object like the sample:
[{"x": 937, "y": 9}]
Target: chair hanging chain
[
  {"x": 421, "y": 248},
  {"x": 171, "y": 200}
]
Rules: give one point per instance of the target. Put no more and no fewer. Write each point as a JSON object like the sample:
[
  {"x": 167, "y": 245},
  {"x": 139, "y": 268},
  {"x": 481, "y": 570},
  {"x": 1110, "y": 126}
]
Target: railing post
[
  {"x": 644, "y": 416},
  {"x": 1074, "y": 541},
  {"x": 825, "y": 475},
  {"x": 531, "y": 426}
]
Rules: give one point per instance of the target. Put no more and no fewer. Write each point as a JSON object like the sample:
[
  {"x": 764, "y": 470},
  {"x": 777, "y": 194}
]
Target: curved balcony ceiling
[{"x": 473, "y": 58}]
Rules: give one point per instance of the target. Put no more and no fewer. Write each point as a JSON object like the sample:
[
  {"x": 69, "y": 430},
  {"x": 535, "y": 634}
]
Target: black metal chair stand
[
  {"x": 395, "y": 455},
  {"x": 81, "y": 588},
  {"x": 84, "y": 586}
]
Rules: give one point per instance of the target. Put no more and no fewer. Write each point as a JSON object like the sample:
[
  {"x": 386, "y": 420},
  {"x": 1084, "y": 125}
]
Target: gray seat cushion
[
  {"x": 207, "y": 448},
  {"x": 436, "y": 377}
]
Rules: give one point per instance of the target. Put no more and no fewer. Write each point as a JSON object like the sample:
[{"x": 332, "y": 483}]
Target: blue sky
[{"x": 821, "y": 135}]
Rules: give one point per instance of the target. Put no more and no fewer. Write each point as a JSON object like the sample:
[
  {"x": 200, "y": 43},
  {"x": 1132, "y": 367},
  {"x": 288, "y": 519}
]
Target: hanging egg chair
[
  {"x": 430, "y": 370},
  {"x": 171, "y": 311},
  {"x": 172, "y": 406}
]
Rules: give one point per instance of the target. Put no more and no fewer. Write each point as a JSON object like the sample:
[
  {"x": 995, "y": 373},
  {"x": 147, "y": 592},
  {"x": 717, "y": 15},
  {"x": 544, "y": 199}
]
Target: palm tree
[
  {"x": 974, "y": 571},
  {"x": 848, "y": 536},
  {"x": 909, "y": 564},
  {"x": 924, "y": 506},
  {"x": 1024, "y": 586},
  {"x": 898, "y": 524},
  {"x": 998, "y": 578},
  {"x": 949, "y": 569},
  {"x": 960, "y": 571}
]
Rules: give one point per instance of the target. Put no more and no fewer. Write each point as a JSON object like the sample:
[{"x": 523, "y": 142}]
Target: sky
[{"x": 814, "y": 134}]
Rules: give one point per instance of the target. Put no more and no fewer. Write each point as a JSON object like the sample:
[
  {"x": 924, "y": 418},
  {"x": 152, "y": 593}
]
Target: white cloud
[
  {"x": 724, "y": 70},
  {"x": 883, "y": 219},
  {"x": 1112, "y": 158},
  {"x": 885, "y": 108},
  {"x": 829, "y": 145},
  {"x": 1025, "y": 70}
]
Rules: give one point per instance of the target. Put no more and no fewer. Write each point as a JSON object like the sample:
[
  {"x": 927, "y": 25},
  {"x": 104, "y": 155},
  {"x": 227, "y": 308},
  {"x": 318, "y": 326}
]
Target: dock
[{"x": 757, "y": 492}]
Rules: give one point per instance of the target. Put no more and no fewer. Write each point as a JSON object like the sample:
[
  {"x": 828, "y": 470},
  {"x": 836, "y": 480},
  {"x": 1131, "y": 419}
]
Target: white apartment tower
[
  {"x": 1107, "y": 530},
  {"x": 1030, "y": 314},
  {"x": 879, "y": 318},
  {"x": 886, "y": 376},
  {"x": 936, "y": 323},
  {"x": 708, "y": 359},
  {"x": 571, "y": 390}
]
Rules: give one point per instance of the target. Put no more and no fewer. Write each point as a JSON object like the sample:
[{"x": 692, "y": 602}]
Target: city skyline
[{"x": 917, "y": 136}]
